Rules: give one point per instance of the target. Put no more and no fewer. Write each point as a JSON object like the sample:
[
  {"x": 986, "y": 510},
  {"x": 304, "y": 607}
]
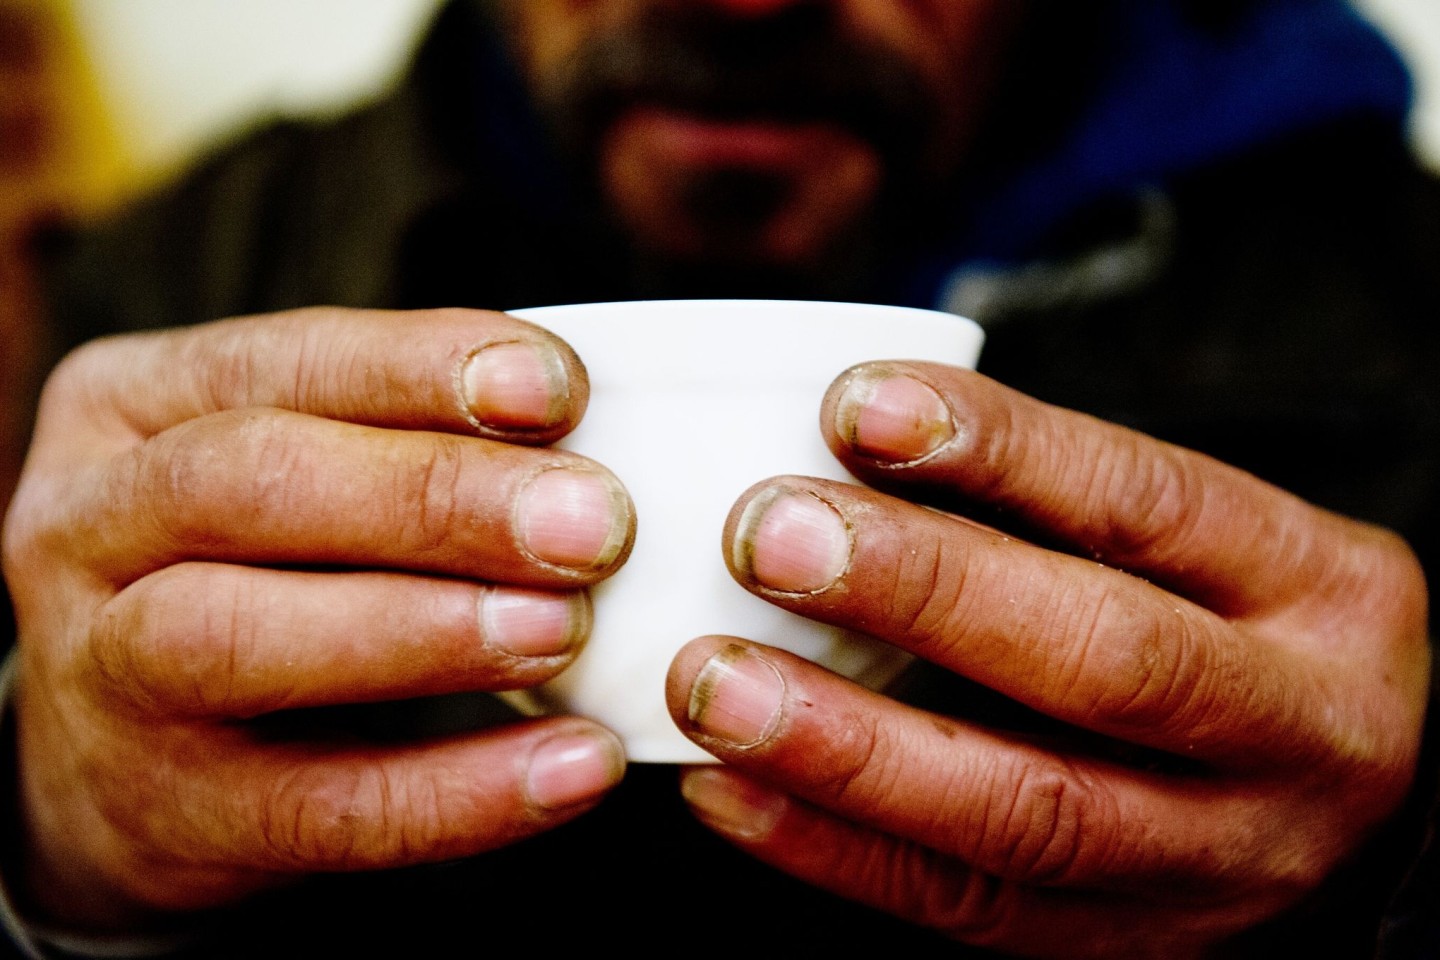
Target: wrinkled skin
[
  {"x": 222, "y": 522},
  {"x": 332, "y": 507},
  {"x": 1255, "y": 669},
  {"x": 317, "y": 508}
]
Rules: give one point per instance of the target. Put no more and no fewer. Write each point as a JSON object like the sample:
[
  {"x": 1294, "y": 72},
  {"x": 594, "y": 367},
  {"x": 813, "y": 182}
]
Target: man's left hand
[{"x": 1244, "y": 675}]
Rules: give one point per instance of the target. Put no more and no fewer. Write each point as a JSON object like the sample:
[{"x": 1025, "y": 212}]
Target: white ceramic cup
[{"x": 691, "y": 403}]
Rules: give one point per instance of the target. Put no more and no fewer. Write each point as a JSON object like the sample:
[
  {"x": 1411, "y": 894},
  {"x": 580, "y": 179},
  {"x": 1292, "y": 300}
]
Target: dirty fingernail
[
  {"x": 516, "y": 385},
  {"x": 576, "y": 768},
  {"x": 737, "y": 697},
  {"x": 791, "y": 541},
  {"x": 731, "y": 804},
  {"x": 892, "y": 417},
  {"x": 580, "y": 519},
  {"x": 533, "y": 623}
]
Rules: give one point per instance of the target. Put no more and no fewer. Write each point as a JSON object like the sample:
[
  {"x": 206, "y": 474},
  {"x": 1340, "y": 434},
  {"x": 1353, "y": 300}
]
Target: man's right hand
[{"x": 306, "y": 509}]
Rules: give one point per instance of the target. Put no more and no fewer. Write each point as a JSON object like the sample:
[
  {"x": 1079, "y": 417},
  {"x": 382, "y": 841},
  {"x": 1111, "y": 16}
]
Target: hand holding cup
[{"x": 691, "y": 403}]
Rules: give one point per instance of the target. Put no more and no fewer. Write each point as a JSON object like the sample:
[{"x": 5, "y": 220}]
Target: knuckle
[
  {"x": 238, "y": 360},
  {"x": 1147, "y": 500},
  {"x": 32, "y": 533},
  {"x": 280, "y": 476},
  {"x": 231, "y": 358},
  {"x": 1384, "y": 583},
  {"x": 314, "y": 352},
  {"x": 978, "y": 909},
  {"x": 333, "y": 366},
  {"x": 1369, "y": 599},
  {"x": 162, "y": 480},
  {"x": 46, "y": 528},
  {"x": 118, "y": 667},
  {"x": 428, "y": 490},
  {"x": 861, "y": 775},
  {"x": 308, "y": 819},
  {"x": 1038, "y": 827},
  {"x": 1163, "y": 678},
  {"x": 190, "y": 656},
  {"x": 1283, "y": 858},
  {"x": 179, "y": 478},
  {"x": 934, "y": 891},
  {"x": 74, "y": 378},
  {"x": 926, "y": 595},
  {"x": 346, "y": 817}
]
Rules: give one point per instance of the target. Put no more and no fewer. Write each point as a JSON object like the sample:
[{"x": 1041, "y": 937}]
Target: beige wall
[{"x": 179, "y": 73}]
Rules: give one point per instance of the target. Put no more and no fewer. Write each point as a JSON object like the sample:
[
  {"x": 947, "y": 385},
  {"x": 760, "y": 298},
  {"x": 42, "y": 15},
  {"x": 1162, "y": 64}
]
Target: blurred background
[{"x": 102, "y": 98}]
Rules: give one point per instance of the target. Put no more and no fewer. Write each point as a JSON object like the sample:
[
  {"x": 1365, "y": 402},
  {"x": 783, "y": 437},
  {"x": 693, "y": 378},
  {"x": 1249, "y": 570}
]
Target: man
[{"x": 259, "y": 565}]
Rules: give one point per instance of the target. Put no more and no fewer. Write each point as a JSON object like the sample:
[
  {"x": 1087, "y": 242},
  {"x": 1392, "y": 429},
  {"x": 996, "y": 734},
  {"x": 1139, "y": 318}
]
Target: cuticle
[
  {"x": 742, "y": 552},
  {"x": 846, "y": 407},
  {"x": 849, "y": 548},
  {"x": 457, "y": 381},
  {"x": 622, "y": 535},
  {"x": 581, "y": 620}
]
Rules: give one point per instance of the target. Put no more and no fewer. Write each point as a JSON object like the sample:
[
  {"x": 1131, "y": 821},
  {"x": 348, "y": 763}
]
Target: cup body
[{"x": 691, "y": 403}]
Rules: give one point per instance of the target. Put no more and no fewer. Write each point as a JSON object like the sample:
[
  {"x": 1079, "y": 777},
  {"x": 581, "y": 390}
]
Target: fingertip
[
  {"x": 577, "y": 377},
  {"x": 731, "y": 804},
  {"x": 890, "y": 415},
  {"x": 680, "y": 677},
  {"x": 573, "y": 768},
  {"x": 577, "y": 518},
  {"x": 783, "y": 536},
  {"x": 529, "y": 387},
  {"x": 726, "y": 693}
]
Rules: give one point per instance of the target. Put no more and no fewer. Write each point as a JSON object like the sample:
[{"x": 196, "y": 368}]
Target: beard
[{"x": 798, "y": 67}]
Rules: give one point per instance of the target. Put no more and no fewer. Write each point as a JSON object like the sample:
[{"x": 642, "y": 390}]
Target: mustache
[{"x": 796, "y": 66}]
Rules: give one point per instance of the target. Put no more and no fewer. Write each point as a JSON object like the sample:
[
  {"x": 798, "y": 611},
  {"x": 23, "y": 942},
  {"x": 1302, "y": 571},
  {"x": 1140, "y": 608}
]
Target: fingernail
[
  {"x": 737, "y": 697},
  {"x": 533, "y": 623},
  {"x": 573, "y": 518},
  {"x": 515, "y": 385},
  {"x": 731, "y": 804},
  {"x": 567, "y": 770},
  {"x": 791, "y": 541},
  {"x": 892, "y": 417}
]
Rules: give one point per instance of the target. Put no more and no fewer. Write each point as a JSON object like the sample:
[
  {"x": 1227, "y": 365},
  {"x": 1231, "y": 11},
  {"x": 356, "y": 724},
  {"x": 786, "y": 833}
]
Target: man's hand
[
  {"x": 1244, "y": 676},
  {"x": 308, "y": 509}
]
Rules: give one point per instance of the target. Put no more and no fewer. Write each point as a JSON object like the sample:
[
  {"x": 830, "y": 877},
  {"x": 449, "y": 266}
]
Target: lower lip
[{"x": 749, "y": 144}]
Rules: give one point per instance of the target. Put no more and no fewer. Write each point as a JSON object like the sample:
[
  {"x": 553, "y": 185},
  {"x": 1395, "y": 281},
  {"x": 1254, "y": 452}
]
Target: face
[{"x": 760, "y": 132}]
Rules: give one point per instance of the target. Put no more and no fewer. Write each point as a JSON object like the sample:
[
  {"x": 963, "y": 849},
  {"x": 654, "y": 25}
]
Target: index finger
[
  {"x": 452, "y": 370},
  {"x": 1208, "y": 531}
]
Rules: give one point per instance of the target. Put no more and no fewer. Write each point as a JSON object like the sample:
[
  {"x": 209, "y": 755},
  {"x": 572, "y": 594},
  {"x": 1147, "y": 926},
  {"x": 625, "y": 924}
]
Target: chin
[{"x": 763, "y": 197}]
